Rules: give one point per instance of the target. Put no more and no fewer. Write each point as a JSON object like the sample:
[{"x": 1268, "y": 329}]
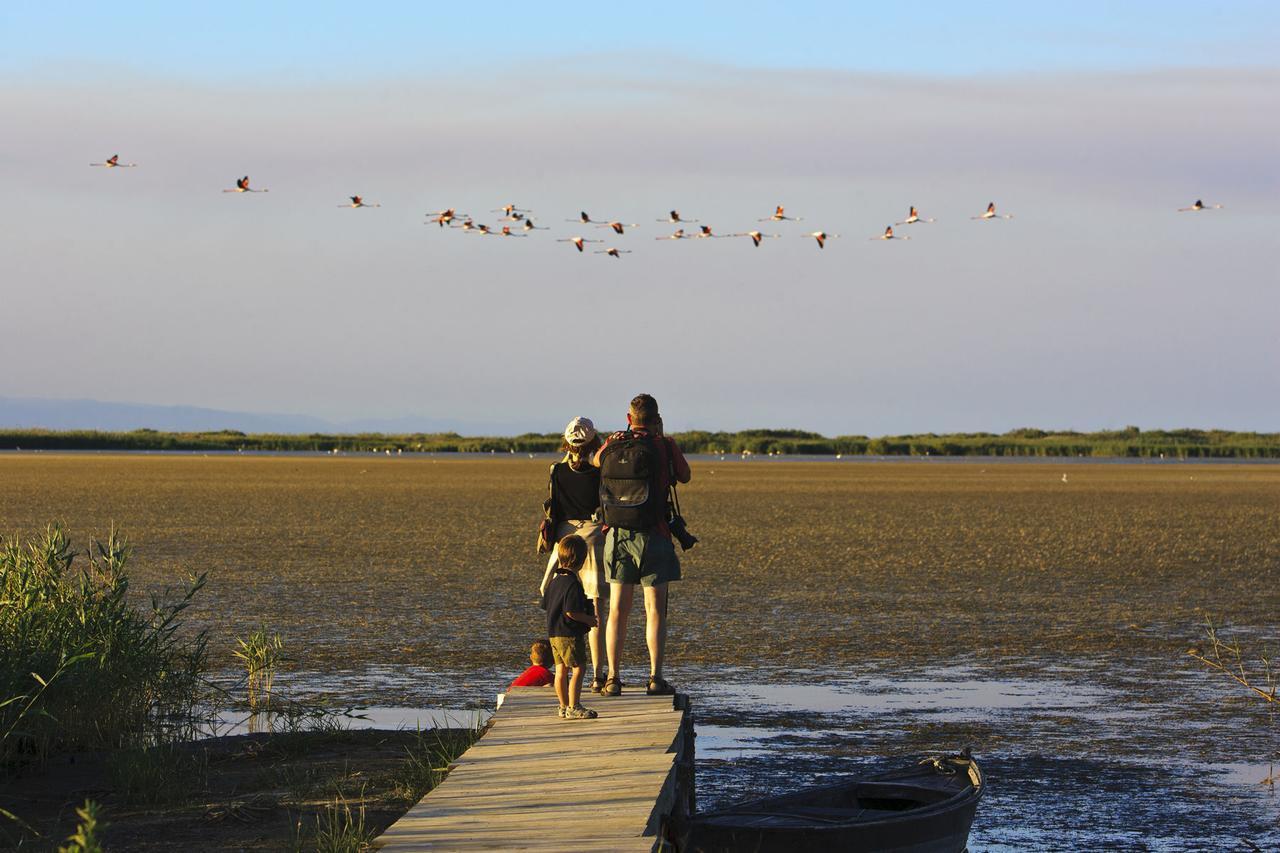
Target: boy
[
  {"x": 537, "y": 675},
  {"x": 569, "y": 617}
]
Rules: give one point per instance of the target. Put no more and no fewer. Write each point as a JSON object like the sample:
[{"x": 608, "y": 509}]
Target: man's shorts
[
  {"x": 640, "y": 556},
  {"x": 569, "y": 651}
]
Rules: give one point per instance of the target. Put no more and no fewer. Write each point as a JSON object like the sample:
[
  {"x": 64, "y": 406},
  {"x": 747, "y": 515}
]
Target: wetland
[{"x": 834, "y": 617}]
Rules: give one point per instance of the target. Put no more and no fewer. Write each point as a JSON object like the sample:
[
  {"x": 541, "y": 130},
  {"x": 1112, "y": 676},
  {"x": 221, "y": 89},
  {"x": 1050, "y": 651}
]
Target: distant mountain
[{"x": 41, "y": 413}]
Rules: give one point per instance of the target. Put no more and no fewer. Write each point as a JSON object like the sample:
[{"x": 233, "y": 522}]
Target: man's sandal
[
  {"x": 612, "y": 687},
  {"x": 658, "y": 686}
]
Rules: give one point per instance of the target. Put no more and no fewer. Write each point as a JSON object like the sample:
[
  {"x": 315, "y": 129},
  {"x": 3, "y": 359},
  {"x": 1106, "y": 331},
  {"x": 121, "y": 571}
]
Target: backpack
[{"x": 629, "y": 494}]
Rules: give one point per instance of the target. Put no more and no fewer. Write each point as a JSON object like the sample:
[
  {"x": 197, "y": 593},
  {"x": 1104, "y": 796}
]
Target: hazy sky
[{"x": 1098, "y": 305}]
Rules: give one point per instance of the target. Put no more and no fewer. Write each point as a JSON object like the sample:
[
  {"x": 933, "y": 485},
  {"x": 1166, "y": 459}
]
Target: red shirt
[{"x": 535, "y": 676}]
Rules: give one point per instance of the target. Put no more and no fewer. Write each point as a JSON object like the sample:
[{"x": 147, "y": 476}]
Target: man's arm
[{"x": 679, "y": 465}]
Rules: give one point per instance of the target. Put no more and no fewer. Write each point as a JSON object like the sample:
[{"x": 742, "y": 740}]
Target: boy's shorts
[
  {"x": 640, "y": 556},
  {"x": 569, "y": 651}
]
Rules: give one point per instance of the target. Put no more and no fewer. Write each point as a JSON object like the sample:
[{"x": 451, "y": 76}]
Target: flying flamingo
[
  {"x": 529, "y": 226},
  {"x": 476, "y": 229},
  {"x": 444, "y": 217},
  {"x": 512, "y": 212},
  {"x": 755, "y": 236},
  {"x": 242, "y": 186},
  {"x": 913, "y": 217},
  {"x": 617, "y": 227},
  {"x": 990, "y": 213},
  {"x": 466, "y": 225},
  {"x": 586, "y": 220},
  {"x": 674, "y": 218},
  {"x": 677, "y": 234},
  {"x": 613, "y": 253},
  {"x": 358, "y": 201},
  {"x": 578, "y": 241},
  {"x": 888, "y": 235},
  {"x": 1198, "y": 206},
  {"x": 779, "y": 215},
  {"x": 705, "y": 231},
  {"x": 821, "y": 236},
  {"x": 506, "y": 232},
  {"x": 113, "y": 162}
]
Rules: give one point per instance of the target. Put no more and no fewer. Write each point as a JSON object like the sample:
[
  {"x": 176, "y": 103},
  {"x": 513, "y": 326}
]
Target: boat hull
[{"x": 924, "y": 809}]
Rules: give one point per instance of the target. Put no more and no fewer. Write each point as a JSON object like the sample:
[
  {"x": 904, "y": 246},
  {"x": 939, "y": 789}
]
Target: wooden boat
[{"x": 927, "y": 808}]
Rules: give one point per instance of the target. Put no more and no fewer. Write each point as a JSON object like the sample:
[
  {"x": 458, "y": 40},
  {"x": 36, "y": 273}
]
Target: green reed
[
  {"x": 82, "y": 667},
  {"x": 261, "y": 653}
]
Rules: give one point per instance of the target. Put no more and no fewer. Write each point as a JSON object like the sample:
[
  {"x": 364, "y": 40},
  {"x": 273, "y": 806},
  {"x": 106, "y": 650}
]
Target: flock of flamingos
[{"x": 451, "y": 218}]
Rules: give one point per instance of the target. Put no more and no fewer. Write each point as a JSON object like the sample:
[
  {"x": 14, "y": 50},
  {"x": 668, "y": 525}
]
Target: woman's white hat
[{"x": 579, "y": 431}]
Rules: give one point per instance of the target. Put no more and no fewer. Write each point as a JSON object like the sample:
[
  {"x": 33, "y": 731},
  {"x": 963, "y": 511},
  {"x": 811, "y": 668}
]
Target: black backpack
[{"x": 629, "y": 494}]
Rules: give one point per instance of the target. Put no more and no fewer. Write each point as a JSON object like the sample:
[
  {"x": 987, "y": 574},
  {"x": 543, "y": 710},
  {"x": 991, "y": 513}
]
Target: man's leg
[
  {"x": 616, "y": 635},
  {"x": 655, "y": 625}
]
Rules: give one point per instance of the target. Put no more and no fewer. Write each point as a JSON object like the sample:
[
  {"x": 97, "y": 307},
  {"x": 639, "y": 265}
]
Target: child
[
  {"x": 537, "y": 675},
  {"x": 569, "y": 617}
]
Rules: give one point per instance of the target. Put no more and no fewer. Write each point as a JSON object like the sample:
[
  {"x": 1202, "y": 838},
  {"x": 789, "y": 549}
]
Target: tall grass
[
  {"x": 261, "y": 653},
  {"x": 80, "y": 666},
  {"x": 85, "y": 838}
]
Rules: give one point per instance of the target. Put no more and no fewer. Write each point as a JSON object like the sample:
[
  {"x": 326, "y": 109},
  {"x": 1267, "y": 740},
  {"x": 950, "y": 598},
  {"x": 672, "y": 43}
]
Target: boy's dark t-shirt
[{"x": 564, "y": 593}]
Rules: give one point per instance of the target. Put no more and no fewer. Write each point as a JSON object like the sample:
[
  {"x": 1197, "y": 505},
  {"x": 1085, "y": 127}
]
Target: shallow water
[{"x": 1076, "y": 758}]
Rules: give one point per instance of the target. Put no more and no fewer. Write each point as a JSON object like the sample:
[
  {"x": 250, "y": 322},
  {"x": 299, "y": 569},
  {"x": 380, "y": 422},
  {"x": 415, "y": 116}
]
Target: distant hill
[{"x": 40, "y": 413}]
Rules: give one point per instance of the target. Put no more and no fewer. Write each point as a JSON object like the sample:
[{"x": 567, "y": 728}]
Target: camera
[{"x": 681, "y": 533}]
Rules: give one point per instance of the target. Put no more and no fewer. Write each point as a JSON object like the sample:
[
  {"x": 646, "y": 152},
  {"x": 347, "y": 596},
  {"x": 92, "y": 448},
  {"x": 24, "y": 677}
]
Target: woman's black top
[{"x": 577, "y": 492}]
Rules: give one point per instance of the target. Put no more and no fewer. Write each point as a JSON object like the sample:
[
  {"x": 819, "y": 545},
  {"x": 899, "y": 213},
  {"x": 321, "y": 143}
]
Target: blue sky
[
  {"x": 1097, "y": 306},
  {"x": 326, "y": 40}
]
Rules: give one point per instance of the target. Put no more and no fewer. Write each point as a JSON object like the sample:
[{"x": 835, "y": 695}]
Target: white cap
[{"x": 579, "y": 432}]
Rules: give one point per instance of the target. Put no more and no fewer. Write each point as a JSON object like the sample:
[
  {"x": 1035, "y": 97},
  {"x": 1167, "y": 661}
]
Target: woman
[{"x": 575, "y": 507}]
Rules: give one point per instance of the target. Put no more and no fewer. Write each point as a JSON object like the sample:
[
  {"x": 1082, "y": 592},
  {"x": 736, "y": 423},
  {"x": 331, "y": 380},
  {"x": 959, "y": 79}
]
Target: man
[{"x": 637, "y": 467}]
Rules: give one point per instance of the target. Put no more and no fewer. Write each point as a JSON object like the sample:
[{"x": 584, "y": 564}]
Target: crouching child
[{"x": 569, "y": 617}]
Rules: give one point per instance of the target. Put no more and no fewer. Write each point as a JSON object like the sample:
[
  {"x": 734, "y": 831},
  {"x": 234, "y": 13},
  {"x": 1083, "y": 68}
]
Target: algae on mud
[{"x": 429, "y": 562}]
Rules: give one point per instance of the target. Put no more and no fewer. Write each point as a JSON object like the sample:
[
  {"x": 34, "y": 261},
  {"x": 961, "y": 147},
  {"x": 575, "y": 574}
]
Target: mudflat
[{"x": 429, "y": 561}]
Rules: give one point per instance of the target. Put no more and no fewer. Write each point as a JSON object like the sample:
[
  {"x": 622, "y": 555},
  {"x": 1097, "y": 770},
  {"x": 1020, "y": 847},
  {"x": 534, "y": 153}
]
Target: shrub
[{"x": 80, "y": 666}]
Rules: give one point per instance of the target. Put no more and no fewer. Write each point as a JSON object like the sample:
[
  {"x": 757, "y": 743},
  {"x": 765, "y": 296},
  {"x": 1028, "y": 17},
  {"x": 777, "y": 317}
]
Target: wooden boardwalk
[{"x": 535, "y": 782}]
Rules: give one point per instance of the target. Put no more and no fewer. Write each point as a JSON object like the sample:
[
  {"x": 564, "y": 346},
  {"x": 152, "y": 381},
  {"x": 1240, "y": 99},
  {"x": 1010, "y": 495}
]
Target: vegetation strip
[{"x": 1130, "y": 442}]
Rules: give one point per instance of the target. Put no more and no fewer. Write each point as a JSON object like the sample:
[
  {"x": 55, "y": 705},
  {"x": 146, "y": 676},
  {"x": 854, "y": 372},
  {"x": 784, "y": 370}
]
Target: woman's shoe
[
  {"x": 597, "y": 684},
  {"x": 658, "y": 686}
]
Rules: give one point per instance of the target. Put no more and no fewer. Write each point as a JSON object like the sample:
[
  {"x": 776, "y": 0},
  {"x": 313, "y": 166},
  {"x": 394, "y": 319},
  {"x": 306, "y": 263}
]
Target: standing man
[{"x": 637, "y": 469}]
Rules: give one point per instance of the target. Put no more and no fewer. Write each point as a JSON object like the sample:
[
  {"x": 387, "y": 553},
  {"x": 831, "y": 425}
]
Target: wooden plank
[{"x": 535, "y": 782}]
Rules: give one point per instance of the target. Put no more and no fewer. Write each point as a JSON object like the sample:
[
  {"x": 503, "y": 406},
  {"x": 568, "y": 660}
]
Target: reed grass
[
  {"x": 161, "y": 775},
  {"x": 261, "y": 653},
  {"x": 85, "y": 838},
  {"x": 428, "y": 761},
  {"x": 338, "y": 829},
  {"x": 80, "y": 666}
]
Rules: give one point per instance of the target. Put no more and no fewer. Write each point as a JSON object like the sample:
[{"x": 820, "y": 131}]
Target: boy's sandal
[
  {"x": 612, "y": 687},
  {"x": 658, "y": 686}
]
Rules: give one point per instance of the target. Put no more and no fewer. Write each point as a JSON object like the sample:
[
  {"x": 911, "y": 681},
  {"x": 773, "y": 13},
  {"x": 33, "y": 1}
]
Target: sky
[{"x": 1096, "y": 306}]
